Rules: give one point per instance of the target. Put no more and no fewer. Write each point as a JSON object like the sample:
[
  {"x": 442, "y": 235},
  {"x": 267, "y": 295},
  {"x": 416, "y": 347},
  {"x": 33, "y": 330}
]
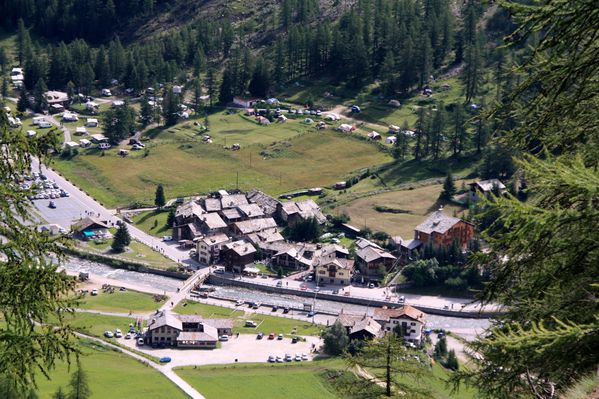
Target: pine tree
[
  {"x": 79, "y": 388},
  {"x": 59, "y": 394},
  {"x": 260, "y": 83},
  {"x": 39, "y": 94},
  {"x": 23, "y": 102},
  {"x": 449, "y": 189},
  {"x": 121, "y": 238},
  {"x": 146, "y": 111},
  {"x": 159, "y": 199},
  {"x": 197, "y": 96},
  {"x": 441, "y": 348},
  {"x": 452, "y": 361},
  {"x": 171, "y": 218}
]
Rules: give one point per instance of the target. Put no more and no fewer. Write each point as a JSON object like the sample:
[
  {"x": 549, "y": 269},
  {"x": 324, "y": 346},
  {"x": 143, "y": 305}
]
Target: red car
[{"x": 271, "y": 336}]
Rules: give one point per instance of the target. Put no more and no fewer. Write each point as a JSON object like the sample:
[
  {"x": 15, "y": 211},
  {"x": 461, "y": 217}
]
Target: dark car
[
  {"x": 52, "y": 204},
  {"x": 294, "y": 340},
  {"x": 286, "y": 310},
  {"x": 275, "y": 308},
  {"x": 260, "y": 335},
  {"x": 165, "y": 359}
]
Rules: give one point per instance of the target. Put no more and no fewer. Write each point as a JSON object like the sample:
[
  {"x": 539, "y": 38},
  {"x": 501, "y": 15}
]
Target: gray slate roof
[{"x": 437, "y": 222}]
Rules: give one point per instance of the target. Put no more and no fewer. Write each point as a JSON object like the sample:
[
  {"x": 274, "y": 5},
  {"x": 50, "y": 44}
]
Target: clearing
[
  {"x": 402, "y": 210},
  {"x": 121, "y": 301}
]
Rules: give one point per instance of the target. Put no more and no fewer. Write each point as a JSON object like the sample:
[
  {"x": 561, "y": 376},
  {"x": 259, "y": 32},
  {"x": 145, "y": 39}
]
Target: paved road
[{"x": 50, "y": 118}]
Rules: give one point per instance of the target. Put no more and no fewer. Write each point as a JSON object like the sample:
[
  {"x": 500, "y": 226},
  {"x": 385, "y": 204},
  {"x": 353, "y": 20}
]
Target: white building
[{"x": 408, "y": 319}]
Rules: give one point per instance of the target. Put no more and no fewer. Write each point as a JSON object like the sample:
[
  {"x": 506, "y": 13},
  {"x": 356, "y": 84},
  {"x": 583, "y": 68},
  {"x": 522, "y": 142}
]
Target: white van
[
  {"x": 44, "y": 124},
  {"x": 103, "y": 146}
]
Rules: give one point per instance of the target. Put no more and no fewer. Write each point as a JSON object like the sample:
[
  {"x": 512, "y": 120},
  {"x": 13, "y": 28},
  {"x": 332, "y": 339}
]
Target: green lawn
[
  {"x": 258, "y": 381},
  {"x": 111, "y": 375},
  {"x": 136, "y": 252},
  {"x": 266, "y": 323},
  {"x": 145, "y": 221},
  {"x": 95, "y": 324},
  {"x": 120, "y": 301},
  {"x": 436, "y": 382},
  {"x": 208, "y": 311},
  {"x": 284, "y": 157}
]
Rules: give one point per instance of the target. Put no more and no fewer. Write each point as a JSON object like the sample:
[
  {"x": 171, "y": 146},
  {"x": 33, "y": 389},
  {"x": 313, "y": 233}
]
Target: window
[
  {"x": 412, "y": 324},
  {"x": 395, "y": 321}
]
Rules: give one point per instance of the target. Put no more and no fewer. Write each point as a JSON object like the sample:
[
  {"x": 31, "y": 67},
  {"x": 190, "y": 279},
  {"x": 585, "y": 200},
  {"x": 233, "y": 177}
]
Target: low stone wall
[{"x": 223, "y": 281}]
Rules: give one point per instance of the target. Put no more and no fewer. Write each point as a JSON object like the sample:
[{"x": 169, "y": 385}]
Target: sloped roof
[
  {"x": 233, "y": 200},
  {"x": 266, "y": 202},
  {"x": 250, "y": 210},
  {"x": 189, "y": 209},
  {"x": 87, "y": 223},
  {"x": 216, "y": 239},
  {"x": 213, "y": 221},
  {"x": 255, "y": 225},
  {"x": 209, "y": 334},
  {"x": 241, "y": 248},
  {"x": 231, "y": 213},
  {"x": 437, "y": 222},
  {"x": 166, "y": 319},
  {"x": 487, "y": 185},
  {"x": 405, "y": 311},
  {"x": 212, "y": 204},
  {"x": 370, "y": 254}
]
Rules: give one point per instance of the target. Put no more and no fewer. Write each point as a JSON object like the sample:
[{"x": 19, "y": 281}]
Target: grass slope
[
  {"x": 301, "y": 157},
  {"x": 111, "y": 375},
  {"x": 258, "y": 381},
  {"x": 414, "y": 204}
]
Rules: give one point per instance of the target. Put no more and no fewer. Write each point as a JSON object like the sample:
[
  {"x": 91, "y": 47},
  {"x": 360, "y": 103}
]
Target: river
[{"x": 465, "y": 327}]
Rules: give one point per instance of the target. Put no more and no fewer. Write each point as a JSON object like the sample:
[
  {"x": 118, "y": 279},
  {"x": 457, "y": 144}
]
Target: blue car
[{"x": 165, "y": 359}]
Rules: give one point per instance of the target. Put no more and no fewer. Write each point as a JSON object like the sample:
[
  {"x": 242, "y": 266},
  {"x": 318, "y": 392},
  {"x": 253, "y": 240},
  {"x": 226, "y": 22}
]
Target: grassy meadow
[
  {"x": 111, "y": 375},
  {"x": 413, "y": 207},
  {"x": 276, "y": 158},
  {"x": 120, "y": 301}
]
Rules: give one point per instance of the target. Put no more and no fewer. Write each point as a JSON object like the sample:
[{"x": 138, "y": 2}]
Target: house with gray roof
[
  {"x": 186, "y": 331},
  {"x": 372, "y": 260},
  {"x": 442, "y": 230}
]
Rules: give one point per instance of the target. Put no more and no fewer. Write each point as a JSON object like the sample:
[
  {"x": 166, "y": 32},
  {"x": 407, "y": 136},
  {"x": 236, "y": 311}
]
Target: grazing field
[
  {"x": 277, "y": 158},
  {"x": 121, "y": 301},
  {"x": 258, "y": 381},
  {"x": 413, "y": 205},
  {"x": 266, "y": 323},
  {"x": 111, "y": 375}
]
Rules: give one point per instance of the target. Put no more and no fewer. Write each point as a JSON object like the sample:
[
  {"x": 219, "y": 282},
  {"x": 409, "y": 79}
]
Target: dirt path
[{"x": 342, "y": 110}]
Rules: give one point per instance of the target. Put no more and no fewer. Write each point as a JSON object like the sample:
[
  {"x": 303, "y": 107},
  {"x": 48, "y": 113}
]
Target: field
[
  {"x": 277, "y": 158},
  {"x": 145, "y": 221},
  {"x": 414, "y": 206},
  {"x": 136, "y": 252},
  {"x": 95, "y": 324},
  {"x": 120, "y": 301},
  {"x": 258, "y": 381},
  {"x": 111, "y": 375},
  {"x": 266, "y": 323}
]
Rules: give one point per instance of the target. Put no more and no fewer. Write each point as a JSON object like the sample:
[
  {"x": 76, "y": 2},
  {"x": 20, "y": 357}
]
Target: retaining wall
[{"x": 219, "y": 280}]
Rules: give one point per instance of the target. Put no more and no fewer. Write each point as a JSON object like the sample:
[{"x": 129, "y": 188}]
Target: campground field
[
  {"x": 276, "y": 158},
  {"x": 121, "y": 301}
]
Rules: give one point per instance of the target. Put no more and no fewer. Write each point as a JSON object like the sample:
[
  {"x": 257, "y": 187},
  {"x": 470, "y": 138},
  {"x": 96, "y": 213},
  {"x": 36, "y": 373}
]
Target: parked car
[
  {"x": 260, "y": 335},
  {"x": 52, "y": 205},
  {"x": 304, "y": 356},
  {"x": 275, "y": 308},
  {"x": 165, "y": 359},
  {"x": 402, "y": 298},
  {"x": 298, "y": 357},
  {"x": 118, "y": 333},
  {"x": 279, "y": 283},
  {"x": 294, "y": 340},
  {"x": 250, "y": 323},
  {"x": 223, "y": 338},
  {"x": 272, "y": 359},
  {"x": 288, "y": 357},
  {"x": 140, "y": 341},
  {"x": 271, "y": 336},
  {"x": 239, "y": 302},
  {"x": 136, "y": 147},
  {"x": 108, "y": 334},
  {"x": 94, "y": 292},
  {"x": 280, "y": 337},
  {"x": 311, "y": 313},
  {"x": 167, "y": 238},
  {"x": 128, "y": 336},
  {"x": 220, "y": 270},
  {"x": 280, "y": 359},
  {"x": 286, "y": 309},
  {"x": 256, "y": 305}
]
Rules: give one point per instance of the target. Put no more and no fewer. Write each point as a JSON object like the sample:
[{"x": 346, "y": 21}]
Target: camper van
[
  {"x": 38, "y": 119},
  {"x": 44, "y": 124}
]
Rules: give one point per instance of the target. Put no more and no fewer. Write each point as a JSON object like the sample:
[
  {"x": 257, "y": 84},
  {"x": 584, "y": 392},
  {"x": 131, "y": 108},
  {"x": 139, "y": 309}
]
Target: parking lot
[{"x": 244, "y": 349}]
